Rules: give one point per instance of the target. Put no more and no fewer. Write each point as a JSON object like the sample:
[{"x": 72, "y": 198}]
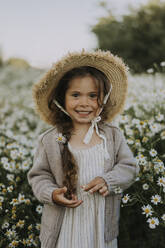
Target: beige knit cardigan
[{"x": 46, "y": 175}]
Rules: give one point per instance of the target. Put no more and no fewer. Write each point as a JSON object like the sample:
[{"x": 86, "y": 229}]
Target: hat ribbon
[
  {"x": 89, "y": 134},
  {"x": 60, "y": 107}
]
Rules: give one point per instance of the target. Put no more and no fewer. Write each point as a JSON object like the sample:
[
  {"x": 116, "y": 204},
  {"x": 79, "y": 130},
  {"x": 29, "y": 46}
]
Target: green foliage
[{"x": 138, "y": 37}]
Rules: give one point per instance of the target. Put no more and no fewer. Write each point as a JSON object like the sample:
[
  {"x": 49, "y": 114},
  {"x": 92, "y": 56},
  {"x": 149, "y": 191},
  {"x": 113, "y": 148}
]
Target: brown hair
[{"x": 64, "y": 122}]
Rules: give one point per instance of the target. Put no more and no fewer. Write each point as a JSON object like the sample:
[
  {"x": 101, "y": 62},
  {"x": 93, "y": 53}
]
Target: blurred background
[
  {"x": 40, "y": 32},
  {"x": 33, "y": 35}
]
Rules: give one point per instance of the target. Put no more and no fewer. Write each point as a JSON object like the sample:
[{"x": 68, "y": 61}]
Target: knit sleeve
[
  {"x": 40, "y": 177},
  {"x": 125, "y": 170}
]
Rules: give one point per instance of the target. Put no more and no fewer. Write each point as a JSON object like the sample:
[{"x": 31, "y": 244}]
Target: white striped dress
[{"x": 83, "y": 226}]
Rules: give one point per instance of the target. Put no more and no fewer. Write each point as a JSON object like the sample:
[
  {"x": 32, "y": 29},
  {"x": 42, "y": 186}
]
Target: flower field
[{"x": 143, "y": 124}]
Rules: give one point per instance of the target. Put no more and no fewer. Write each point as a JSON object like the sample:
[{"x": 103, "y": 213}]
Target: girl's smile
[{"x": 81, "y": 100}]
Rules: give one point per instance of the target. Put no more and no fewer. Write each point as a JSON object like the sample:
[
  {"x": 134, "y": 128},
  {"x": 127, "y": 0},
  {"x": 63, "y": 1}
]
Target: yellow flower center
[{"x": 146, "y": 210}]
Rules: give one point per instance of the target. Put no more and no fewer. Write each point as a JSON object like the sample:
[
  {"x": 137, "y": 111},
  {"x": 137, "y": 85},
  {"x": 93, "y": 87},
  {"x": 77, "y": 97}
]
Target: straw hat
[{"x": 112, "y": 66}]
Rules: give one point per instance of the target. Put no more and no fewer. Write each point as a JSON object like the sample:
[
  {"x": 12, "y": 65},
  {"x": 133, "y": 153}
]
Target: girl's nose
[{"x": 84, "y": 100}]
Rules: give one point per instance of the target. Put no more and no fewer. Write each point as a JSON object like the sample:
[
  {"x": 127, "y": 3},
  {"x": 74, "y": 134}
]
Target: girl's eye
[
  {"x": 93, "y": 95},
  {"x": 75, "y": 94}
]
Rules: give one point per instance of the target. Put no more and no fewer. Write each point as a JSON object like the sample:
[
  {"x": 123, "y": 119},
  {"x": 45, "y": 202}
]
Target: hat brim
[{"x": 112, "y": 66}]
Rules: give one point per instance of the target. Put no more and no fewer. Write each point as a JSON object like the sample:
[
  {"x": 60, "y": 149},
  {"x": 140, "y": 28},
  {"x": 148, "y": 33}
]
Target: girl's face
[{"x": 81, "y": 99}]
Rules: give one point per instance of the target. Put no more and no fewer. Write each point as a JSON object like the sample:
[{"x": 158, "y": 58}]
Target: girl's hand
[
  {"x": 97, "y": 184},
  {"x": 59, "y": 198}
]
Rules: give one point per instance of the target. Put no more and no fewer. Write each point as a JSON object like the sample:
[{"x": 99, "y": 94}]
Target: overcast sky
[{"x": 43, "y": 30}]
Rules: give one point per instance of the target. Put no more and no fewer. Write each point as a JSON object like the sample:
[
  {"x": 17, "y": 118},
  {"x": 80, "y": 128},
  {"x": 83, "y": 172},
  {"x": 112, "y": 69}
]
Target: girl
[{"x": 82, "y": 164}]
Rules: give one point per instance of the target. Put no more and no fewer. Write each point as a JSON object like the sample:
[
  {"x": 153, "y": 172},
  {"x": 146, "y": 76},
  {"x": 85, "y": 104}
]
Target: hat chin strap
[
  {"x": 94, "y": 122},
  {"x": 60, "y": 107}
]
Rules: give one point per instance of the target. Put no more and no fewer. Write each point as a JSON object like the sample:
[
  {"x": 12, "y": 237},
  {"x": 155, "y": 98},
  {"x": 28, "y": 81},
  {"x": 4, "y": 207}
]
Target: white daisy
[
  {"x": 10, "y": 188},
  {"x": 155, "y": 199},
  {"x": 10, "y": 177},
  {"x": 10, "y": 233},
  {"x": 147, "y": 210},
  {"x": 21, "y": 198},
  {"x": 163, "y": 217},
  {"x": 25, "y": 165},
  {"x": 123, "y": 119},
  {"x": 137, "y": 142},
  {"x": 162, "y": 135},
  {"x": 162, "y": 63},
  {"x": 145, "y": 139},
  {"x": 14, "y": 244},
  {"x": 118, "y": 190},
  {"x": 159, "y": 117},
  {"x": 135, "y": 121},
  {"x": 6, "y": 166},
  {"x": 38, "y": 226},
  {"x": 141, "y": 159},
  {"x": 14, "y": 202},
  {"x": 39, "y": 209},
  {"x": 153, "y": 222},
  {"x": 153, "y": 152},
  {"x": 20, "y": 223},
  {"x": 14, "y": 154},
  {"x": 159, "y": 167},
  {"x": 150, "y": 70},
  {"x": 1, "y": 198},
  {"x": 145, "y": 186},
  {"x": 125, "y": 198},
  {"x": 60, "y": 138},
  {"x": 161, "y": 181},
  {"x": 5, "y": 225},
  {"x": 154, "y": 128},
  {"x": 130, "y": 141},
  {"x": 4, "y": 160}
]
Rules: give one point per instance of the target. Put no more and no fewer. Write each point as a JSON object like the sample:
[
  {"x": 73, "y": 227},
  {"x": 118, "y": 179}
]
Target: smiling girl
[{"x": 82, "y": 164}]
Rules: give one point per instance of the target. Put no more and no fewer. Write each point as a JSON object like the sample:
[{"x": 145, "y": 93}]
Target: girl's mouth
[{"x": 83, "y": 112}]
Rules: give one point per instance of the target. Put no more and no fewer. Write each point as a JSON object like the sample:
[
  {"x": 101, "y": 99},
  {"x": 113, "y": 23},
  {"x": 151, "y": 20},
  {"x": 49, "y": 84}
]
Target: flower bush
[
  {"x": 144, "y": 128},
  {"x": 21, "y": 218},
  {"x": 142, "y": 124},
  {"x": 19, "y": 129}
]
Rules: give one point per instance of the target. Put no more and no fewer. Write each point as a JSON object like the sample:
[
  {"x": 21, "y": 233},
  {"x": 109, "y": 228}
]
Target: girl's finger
[
  {"x": 96, "y": 188},
  {"x": 106, "y": 193},
  {"x": 103, "y": 189},
  {"x": 74, "y": 197},
  {"x": 76, "y": 204},
  {"x": 93, "y": 183},
  {"x": 64, "y": 201}
]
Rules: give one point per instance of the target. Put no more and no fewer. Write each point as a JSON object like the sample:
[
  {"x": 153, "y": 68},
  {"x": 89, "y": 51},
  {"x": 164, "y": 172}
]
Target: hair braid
[{"x": 70, "y": 170}]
